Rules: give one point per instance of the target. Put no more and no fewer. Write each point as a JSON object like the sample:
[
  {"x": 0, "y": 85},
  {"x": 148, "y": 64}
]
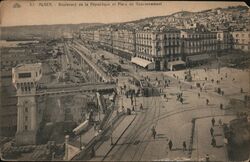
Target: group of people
[
  {"x": 180, "y": 97},
  {"x": 170, "y": 143}
]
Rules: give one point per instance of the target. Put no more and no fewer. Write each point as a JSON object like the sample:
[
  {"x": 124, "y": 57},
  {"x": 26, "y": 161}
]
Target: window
[
  {"x": 26, "y": 127},
  {"x": 26, "y": 109}
]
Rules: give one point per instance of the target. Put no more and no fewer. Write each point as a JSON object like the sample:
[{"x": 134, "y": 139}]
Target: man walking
[
  {"x": 153, "y": 132},
  {"x": 181, "y": 100},
  {"x": 212, "y": 131},
  {"x": 213, "y": 143},
  {"x": 207, "y": 158},
  {"x": 221, "y": 106},
  {"x": 213, "y": 121},
  {"x": 141, "y": 107},
  {"x": 207, "y": 101},
  {"x": 184, "y": 146},
  {"x": 170, "y": 145}
]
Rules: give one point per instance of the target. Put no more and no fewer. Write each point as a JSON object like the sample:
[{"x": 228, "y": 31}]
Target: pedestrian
[
  {"x": 178, "y": 97},
  {"x": 222, "y": 93},
  {"x": 212, "y": 80},
  {"x": 221, "y": 106},
  {"x": 133, "y": 108},
  {"x": 141, "y": 107},
  {"x": 184, "y": 146},
  {"x": 199, "y": 95},
  {"x": 212, "y": 131},
  {"x": 92, "y": 152},
  {"x": 181, "y": 100},
  {"x": 220, "y": 122},
  {"x": 207, "y": 101},
  {"x": 207, "y": 158},
  {"x": 213, "y": 121},
  {"x": 213, "y": 142},
  {"x": 153, "y": 132},
  {"x": 191, "y": 87},
  {"x": 170, "y": 145},
  {"x": 241, "y": 90},
  {"x": 200, "y": 89}
]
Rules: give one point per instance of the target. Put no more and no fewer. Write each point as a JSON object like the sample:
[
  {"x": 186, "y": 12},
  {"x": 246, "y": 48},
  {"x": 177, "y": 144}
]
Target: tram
[{"x": 145, "y": 88}]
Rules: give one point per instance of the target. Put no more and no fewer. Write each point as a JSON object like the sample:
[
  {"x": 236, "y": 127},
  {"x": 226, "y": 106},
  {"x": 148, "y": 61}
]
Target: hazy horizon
[{"x": 58, "y": 15}]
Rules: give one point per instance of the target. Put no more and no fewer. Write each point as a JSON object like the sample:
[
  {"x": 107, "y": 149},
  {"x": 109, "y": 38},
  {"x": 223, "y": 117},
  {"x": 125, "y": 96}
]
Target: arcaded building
[
  {"x": 198, "y": 45},
  {"x": 124, "y": 42},
  {"x": 241, "y": 40},
  {"x": 105, "y": 38},
  {"x": 159, "y": 46},
  {"x": 224, "y": 41}
]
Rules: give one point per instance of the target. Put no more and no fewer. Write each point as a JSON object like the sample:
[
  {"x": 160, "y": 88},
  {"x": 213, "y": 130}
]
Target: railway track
[
  {"x": 144, "y": 127},
  {"x": 133, "y": 138}
]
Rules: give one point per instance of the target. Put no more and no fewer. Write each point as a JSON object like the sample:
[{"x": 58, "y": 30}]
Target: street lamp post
[
  {"x": 80, "y": 142},
  {"x": 135, "y": 101},
  {"x": 111, "y": 138}
]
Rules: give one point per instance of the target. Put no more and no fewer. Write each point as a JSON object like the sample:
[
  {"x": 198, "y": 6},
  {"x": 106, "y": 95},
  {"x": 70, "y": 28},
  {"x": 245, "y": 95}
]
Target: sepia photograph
[{"x": 124, "y": 81}]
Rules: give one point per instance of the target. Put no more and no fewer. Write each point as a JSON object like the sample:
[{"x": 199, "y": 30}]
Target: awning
[
  {"x": 140, "y": 61},
  {"x": 198, "y": 57},
  {"x": 179, "y": 62}
]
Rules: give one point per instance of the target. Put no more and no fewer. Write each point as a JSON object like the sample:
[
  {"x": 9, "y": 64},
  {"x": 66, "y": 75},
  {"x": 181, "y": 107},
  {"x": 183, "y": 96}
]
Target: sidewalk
[
  {"x": 74, "y": 146},
  {"x": 202, "y": 139},
  {"x": 106, "y": 147}
]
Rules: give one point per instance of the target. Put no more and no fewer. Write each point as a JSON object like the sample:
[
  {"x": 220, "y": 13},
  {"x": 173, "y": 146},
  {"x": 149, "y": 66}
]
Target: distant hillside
[
  {"x": 231, "y": 18},
  {"x": 235, "y": 17},
  {"x": 40, "y": 31}
]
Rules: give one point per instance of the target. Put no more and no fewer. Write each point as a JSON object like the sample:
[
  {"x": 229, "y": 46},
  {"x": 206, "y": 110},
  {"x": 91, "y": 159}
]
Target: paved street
[
  {"x": 171, "y": 119},
  {"x": 203, "y": 138}
]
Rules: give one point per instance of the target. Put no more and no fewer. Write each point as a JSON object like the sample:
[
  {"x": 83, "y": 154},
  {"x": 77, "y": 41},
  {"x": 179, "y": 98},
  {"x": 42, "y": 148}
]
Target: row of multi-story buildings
[{"x": 166, "y": 48}]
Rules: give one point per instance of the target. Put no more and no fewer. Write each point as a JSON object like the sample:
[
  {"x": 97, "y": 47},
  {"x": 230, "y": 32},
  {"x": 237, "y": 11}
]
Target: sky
[{"x": 37, "y": 13}]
